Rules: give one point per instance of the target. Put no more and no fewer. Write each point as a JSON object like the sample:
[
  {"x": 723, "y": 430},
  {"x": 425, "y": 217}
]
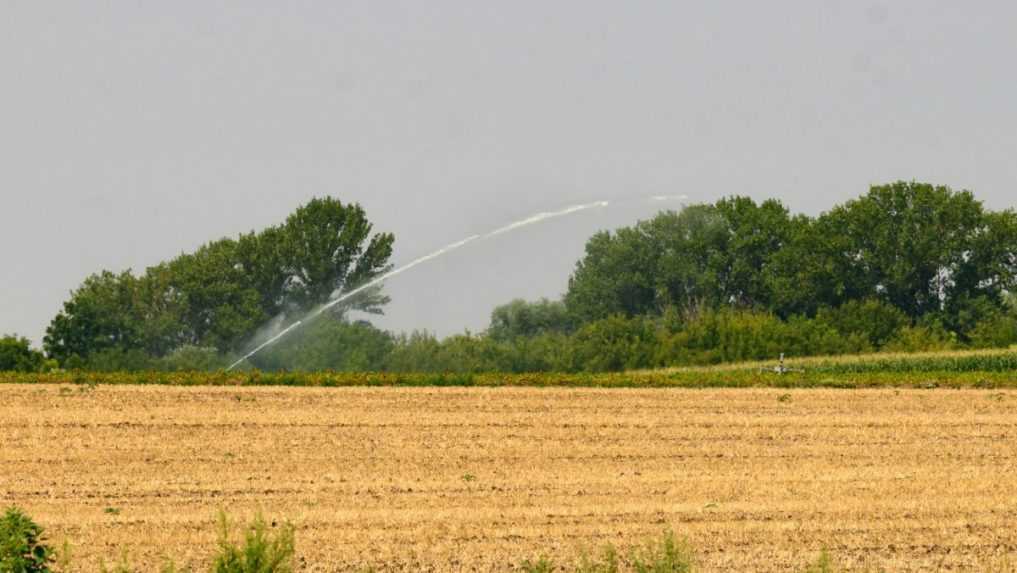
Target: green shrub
[
  {"x": 114, "y": 359},
  {"x": 921, "y": 339},
  {"x": 261, "y": 552},
  {"x": 22, "y": 549},
  {"x": 193, "y": 359},
  {"x": 17, "y": 355},
  {"x": 665, "y": 556},
  {"x": 823, "y": 564},
  {"x": 877, "y": 321},
  {"x": 613, "y": 344},
  {"x": 996, "y": 332}
]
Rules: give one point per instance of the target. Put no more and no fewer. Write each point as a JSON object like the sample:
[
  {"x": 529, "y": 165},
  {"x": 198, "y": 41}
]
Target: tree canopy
[
  {"x": 218, "y": 296},
  {"x": 919, "y": 248},
  {"x": 705, "y": 255}
]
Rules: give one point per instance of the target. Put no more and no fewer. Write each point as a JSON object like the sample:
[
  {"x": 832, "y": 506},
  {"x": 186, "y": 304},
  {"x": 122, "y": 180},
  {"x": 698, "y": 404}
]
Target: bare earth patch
[{"x": 478, "y": 479}]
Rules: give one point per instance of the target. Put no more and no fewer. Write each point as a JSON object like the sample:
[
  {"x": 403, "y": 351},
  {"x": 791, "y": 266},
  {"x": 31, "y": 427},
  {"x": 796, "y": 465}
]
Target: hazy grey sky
[{"x": 133, "y": 131}]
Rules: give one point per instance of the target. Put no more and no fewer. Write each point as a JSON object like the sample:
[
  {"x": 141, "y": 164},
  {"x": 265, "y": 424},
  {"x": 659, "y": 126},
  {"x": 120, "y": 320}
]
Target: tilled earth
[{"x": 459, "y": 479}]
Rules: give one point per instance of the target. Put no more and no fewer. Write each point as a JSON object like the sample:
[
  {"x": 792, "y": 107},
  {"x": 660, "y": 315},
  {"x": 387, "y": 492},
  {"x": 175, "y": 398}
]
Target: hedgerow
[{"x": 980, "y": 369}]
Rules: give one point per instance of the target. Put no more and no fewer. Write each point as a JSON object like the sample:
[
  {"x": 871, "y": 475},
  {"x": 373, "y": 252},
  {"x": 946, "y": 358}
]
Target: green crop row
[{"x": 984, "y": 369}]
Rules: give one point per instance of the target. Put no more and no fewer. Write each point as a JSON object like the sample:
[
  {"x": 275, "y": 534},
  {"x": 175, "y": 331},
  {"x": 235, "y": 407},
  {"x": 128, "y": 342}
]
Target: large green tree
[
  {"x": 100, "y": 315},
  {"x": 704, "y": 256},
  {"x": 920, "y": 248}
]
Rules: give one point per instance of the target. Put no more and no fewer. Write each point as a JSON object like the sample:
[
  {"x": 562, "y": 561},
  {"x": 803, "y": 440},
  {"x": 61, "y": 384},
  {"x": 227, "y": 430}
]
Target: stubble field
[{"x": 449, "y": 479}]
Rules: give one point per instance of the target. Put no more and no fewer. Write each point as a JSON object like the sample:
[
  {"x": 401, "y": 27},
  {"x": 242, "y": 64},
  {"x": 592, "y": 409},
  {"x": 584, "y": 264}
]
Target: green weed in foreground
[
  {"x": 262, "y": 551},
  {"x": 541, "y": 565},
  {"x": 823, "y": 564},
  {"x": 22, "y": 547},
  {"x": 268, "y": 549}
]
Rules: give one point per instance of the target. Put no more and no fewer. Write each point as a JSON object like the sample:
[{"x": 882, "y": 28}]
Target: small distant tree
[
  {"x": 522, "y": 318},
  {"x": 16, "y": 354},
  {"x": 98, "y": 316}
]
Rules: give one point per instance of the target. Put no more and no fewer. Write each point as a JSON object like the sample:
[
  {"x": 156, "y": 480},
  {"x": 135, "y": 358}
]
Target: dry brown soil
[{"x": 478, "y": 479}]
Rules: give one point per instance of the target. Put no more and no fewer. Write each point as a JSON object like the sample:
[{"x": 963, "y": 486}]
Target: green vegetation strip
[
  {"x": 973, "y": 369},
  {"x": 23, "y": 549}
]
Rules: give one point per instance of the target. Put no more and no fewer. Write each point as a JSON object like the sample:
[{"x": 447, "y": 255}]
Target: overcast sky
[{"x": 133, "y": 131}]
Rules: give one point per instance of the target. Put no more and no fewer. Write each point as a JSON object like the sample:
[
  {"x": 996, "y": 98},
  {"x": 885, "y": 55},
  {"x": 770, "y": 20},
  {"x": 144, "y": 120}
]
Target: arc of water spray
[
  {"x": 531, "y": 220},
  {"x": 331, "y": 304}
]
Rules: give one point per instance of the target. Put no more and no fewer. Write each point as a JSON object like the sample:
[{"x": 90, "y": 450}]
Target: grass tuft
[
  {"x": 262, "y": 551},
  {"x": 823, "y": 564}
]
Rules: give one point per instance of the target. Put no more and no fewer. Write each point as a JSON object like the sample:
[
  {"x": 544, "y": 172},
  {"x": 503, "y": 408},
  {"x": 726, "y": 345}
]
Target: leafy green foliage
[
  {"x": 903, "y": 251},
  {"x": 925, "y": 337},
  {"x": 98, "y": 316},
  {"x": 217, "y": 306},
  {"x": 520, "y": 318},
  {"x": 219, "y": 295},
  {"x": 613, "y": 344},
  {"x": 326, "y": 250},
  {"x": 329, "y": 343},
  {"x": 706, "y": 255},
  {"x": 667, "y": 555},
  {"x": 876, "y": 321},
  {"x": 193, "y": 358},
  {"x": 915, "y": 246},
  {"x": 16, "y": 354},
  {"x": 955, "y": 369},
  {"x": 262, "y": 551},
  {"x": 22, "y": 547},
  {"x": 823, "y": 564}
]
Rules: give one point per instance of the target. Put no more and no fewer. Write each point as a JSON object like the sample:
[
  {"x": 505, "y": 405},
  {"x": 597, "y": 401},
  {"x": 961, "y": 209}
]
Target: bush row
[
  {"x": 957, "y": 369},
  {"x": 613, "y": 344}
]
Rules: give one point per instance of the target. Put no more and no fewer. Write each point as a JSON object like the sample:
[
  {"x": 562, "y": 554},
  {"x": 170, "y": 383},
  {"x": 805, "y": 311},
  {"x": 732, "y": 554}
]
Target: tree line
[{"x": 907, "y": 266}]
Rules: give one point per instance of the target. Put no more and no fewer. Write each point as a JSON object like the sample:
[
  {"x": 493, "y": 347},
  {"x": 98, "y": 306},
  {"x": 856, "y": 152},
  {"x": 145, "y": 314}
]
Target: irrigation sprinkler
[{"x": 780, "y": 369}]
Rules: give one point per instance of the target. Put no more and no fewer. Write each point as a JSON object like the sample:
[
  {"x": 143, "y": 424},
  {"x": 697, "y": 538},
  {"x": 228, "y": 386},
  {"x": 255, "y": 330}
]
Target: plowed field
[{"x": 450, "y": 479}]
